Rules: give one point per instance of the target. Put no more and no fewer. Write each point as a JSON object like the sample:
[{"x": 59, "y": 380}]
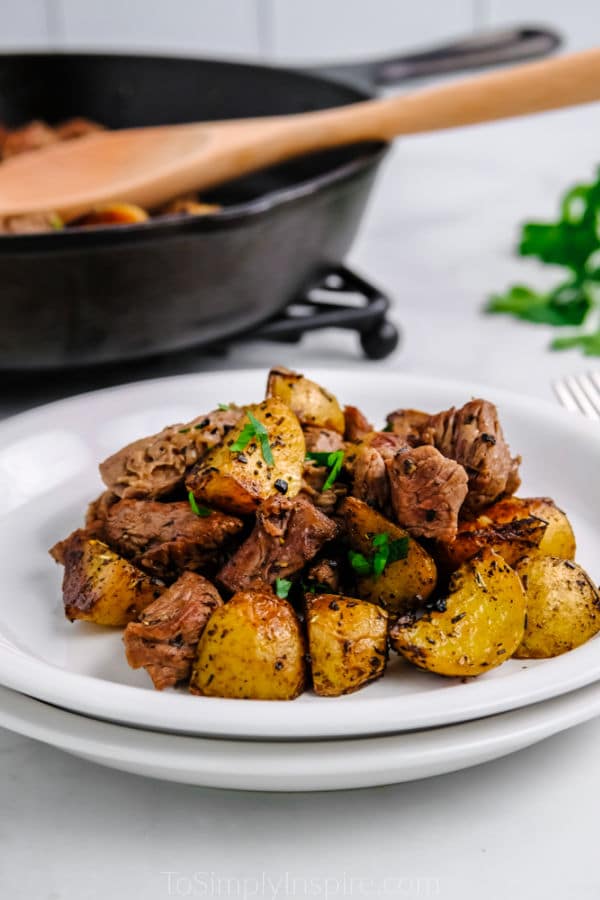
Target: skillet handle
[{"x": 489, "y": 48}]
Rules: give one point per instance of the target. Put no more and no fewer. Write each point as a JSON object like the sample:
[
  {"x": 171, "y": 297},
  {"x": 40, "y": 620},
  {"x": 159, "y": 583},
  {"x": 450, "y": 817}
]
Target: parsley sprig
[
  {"x": 334, "y": 460},
  {"x": 282, "y": 587},
  {"x": 254, "y": 430},
  {"x": 201, "y": 511},
  {"x": 573, "y": 242},
  {"x": 385, "y": 551}
]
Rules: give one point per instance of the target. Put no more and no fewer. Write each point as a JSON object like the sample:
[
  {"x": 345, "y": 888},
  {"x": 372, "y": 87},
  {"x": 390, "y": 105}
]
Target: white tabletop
[{"x": 438, "y": 237}]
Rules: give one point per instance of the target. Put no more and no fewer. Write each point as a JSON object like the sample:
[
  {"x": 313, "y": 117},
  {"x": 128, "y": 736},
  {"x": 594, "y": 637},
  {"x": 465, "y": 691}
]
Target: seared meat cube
[
  {"x": 154, "y": 466},
  {"x": 427, "y": 491},
  {"x": 412, "y": 425},
  {"x": 357, "y": 424},
  {"x": 97, "y": 512},
  {"x": 168, "y": 538},
  {"x": 76, "y": 128},
  {"x": 325, "y": 576},
  {"x": 367, "y": 464},
  {"x": 312, "y": 487},
  {"x": 287, "y": 534},
  {"x": 164, "y": 640},
  {"x": 369, "y": 477},
  {"x": 322, "y": 440},
  {"x": 473, "y": 437},
  {"x": 32, "y": 136}
]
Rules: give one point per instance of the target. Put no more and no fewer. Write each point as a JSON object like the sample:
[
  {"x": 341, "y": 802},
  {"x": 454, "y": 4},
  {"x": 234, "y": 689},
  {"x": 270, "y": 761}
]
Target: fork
[{"x": 580, "y": 393}]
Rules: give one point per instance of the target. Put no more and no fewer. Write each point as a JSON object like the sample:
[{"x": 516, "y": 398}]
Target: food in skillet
[
  {"x": 36, "y": 135},
  {"x": 258, "y": 551}
]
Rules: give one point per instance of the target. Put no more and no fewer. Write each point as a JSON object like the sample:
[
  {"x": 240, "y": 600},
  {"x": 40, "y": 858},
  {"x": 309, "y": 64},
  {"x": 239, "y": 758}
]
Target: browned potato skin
[
  {"x": 563, "y": 607},
  {"x": 511, "y": 527},
  {"x": 347, "y": 643},
  {"x": 511, "y": 540},
  {"x": 100, "y": 586},
  {"x": 225, "y": 480},
  {"x": 481, "y": 627},
  {"x": 312, "y": 403},
  {"x": 404, "y": 583},
  {"x": 252, "y": 649},
  {"x": 558, "y": 539}
]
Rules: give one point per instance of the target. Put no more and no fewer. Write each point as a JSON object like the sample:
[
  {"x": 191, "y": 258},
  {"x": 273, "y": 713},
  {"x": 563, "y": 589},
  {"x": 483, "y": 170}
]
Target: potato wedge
[
  {"x": 312, "y": 403},
  {"x": 347, "y": 643},
  {"x": 238, "y": 482},
  {"x": 558, "y": 539},
  {"x": 511, "y": 540},
  {"x": 252, "y": 648},
  {"x": 100, "y": 586},
  {"x": 404, "y": 584},
  {"x": 563, "y": 607},
  {"x": 480, "y": 627},
  {"x": 513, "y": 527}
]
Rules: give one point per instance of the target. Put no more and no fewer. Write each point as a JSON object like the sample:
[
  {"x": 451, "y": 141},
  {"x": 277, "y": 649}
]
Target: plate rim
[{"x": 291, "y": 765}]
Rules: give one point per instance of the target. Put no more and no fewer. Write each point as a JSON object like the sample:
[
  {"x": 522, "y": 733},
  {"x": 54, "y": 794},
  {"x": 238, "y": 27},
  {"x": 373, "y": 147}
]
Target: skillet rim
[{"x": 369, "y": 156}]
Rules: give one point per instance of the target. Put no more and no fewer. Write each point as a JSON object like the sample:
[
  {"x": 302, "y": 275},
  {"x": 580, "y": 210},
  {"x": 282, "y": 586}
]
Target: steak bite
[
  {"x": 368, "y": 466},
  {"x": 357, "y": 424},
  {"x": 168, "y": 538},
  {"x": 427, "y": 491},
  {"x": 324, "y": 576},
  {"x": 164, "y": 639},
  {"x": 473, "y": 437},
  {"x": 411, "y": 425},
  {"x": 322, "y": 440},
  {"x": 287, "y": 534},
  {"x": 369, "y": 477},
  {"x": 155, "y": 466}
]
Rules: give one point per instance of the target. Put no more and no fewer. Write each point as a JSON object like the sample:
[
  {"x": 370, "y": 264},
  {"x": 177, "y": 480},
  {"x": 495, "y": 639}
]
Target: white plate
[
  {"x": 48, "y": 473},
  {"x": 296, "y": 766}
]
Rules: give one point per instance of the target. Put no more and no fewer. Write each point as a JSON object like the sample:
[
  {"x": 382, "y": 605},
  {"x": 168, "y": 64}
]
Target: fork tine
[
  {"x": 591, "y": 390},
  {"x": 564, "y": 396},
  {"x": 572, "y": 395}
]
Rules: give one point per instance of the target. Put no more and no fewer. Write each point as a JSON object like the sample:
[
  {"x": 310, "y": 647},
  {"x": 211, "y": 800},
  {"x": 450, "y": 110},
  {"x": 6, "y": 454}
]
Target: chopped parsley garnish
[
  {"x": 184, "y": 430},
  {"x": 334, "y": 460},
  {"x": 223, "y": 407},
  {"x": 360, "y": 563},
  {"x": 385, "y": 551},
  {"x": 201, "y": 511},
  {"x": 282, "y": 587},
  {"x": 254, "y": 430},
  {"x": 573, "y": 242}
]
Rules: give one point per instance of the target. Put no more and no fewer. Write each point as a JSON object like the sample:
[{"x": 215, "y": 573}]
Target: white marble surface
[{"x": 438, "y": 236}]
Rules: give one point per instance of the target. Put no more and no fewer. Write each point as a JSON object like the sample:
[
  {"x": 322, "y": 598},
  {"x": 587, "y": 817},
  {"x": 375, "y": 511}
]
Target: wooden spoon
[{"x": 148, "y": 166}]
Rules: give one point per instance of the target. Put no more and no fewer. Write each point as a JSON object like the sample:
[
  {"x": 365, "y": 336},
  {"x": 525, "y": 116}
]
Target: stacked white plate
[{"x": 69, "y": 685}]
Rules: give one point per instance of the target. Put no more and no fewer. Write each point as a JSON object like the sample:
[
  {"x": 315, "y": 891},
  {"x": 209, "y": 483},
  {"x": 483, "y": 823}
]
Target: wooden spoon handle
[{"x": 531, "y": 88}]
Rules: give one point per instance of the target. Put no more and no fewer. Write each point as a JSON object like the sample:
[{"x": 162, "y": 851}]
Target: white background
[{"x": 295, "y": 30}]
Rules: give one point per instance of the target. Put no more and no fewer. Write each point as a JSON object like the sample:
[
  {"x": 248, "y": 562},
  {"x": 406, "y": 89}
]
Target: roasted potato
[
  {"x": 102, "y": 587},
  {"x": 563, "y": 607},
  {"x": 513, "y": 527},
  {"x": 113, "y": 214},
  {"x": 238, "y": 482},
  {"x": 558, "y": 539},
  {"x": 478, "y": 626},
  {"x": 347, "y": 643},
  {"x": 252, "y": 648},
  {"x": 509, "y": 528},
  {"x": 312, "y": 404},
  {"x": 404, "y": 583}
]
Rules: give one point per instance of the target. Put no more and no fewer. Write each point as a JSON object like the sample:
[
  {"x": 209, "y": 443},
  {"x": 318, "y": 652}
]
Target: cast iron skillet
[{"x": 105, "y": 294}]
